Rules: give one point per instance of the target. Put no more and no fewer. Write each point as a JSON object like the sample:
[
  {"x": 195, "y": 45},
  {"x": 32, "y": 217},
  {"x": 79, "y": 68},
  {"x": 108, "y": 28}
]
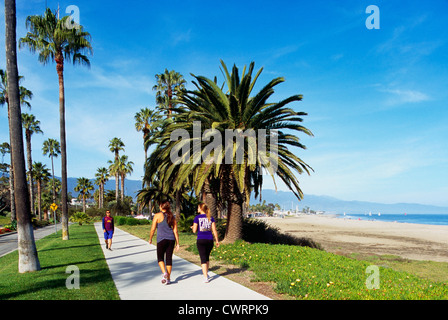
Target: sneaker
[
  {"x": 207, "y": 280},
  {"x": 110, "y": 249},
  {"x": 168, "y": 281},
  {"x": 164, "y": 278}
]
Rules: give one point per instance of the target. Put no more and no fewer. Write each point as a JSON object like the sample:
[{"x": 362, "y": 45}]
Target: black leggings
[
  {"x": 165, "y": 247},
  {"x": 204, "y": 247}
]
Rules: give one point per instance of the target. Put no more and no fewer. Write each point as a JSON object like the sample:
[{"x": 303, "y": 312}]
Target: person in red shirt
[{"x": 108, "y": 229}]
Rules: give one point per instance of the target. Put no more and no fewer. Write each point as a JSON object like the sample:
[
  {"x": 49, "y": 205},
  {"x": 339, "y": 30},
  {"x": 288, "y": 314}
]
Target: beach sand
[{"x": 346, "y": 236}]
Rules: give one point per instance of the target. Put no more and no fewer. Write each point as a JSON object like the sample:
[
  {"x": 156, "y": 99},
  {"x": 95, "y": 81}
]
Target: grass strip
[{"x": 55, "y": 255}]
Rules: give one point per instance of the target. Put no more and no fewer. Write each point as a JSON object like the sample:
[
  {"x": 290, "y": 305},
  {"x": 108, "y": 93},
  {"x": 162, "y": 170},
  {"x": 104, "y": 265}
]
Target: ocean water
[{"x": 434, "y": 219}]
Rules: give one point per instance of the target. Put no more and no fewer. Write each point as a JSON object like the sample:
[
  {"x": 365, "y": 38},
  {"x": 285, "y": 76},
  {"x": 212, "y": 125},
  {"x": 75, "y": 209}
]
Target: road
[{"x": 8, "y": 242}]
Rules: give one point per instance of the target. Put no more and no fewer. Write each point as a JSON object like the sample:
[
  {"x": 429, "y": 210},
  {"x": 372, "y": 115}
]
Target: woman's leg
[
  {"x": 204, "y": 248},
  {"x": 161, "y": 247},
  {"x": 169, "y": 256}
]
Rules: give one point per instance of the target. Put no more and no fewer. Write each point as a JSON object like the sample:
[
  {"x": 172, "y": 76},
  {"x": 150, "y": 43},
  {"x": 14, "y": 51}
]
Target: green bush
[
  {"x": 130, "y": 221},
  {"x": 184, "y": 224},
  {"x": 255, "y": 230},
  {"x": 80, "y": 217}
]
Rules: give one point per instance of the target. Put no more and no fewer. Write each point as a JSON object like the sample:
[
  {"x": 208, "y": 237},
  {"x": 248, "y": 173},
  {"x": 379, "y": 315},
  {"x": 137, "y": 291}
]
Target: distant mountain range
[{"x": 288, "y": 201}]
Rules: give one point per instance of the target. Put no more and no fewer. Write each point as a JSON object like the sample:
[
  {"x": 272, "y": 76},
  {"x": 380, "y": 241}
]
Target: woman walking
[
  {"x": 167, "y": 237},
  {"x": 205, "y": 225}
]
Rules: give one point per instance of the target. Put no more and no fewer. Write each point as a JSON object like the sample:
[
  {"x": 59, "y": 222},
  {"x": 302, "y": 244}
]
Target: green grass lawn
[
  {"x": 307, "y": 273},
  {"x": 55, "y": 255}
]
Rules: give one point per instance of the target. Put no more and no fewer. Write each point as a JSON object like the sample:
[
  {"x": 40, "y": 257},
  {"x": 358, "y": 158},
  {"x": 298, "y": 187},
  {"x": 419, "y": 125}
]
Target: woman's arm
[
  {"x": 194, "y": 228},
  {"x": 153, "y": 227},
  {"x": 215, "y": 233},
  {"x": 176, "y": 235}
]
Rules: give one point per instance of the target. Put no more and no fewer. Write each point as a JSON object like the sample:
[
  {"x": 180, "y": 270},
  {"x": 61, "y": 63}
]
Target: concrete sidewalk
[{"x": 133, "y": 265}]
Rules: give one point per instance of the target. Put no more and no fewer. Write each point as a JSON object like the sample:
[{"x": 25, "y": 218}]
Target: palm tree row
[
  {"x": 50, "y": 37},
  {"x": 207, "y": 170}
]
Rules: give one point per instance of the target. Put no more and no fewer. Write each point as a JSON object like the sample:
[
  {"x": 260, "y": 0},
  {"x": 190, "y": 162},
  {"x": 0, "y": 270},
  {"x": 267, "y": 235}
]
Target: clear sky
[{"x": 377, "y": 100}]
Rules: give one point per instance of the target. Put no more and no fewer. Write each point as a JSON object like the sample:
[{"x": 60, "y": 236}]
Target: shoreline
[{"x": 372, "y": 237}]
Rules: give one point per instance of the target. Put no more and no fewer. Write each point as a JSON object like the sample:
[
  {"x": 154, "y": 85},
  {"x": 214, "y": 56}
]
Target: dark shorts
[
  {"x": 204, "y": 247},
  {"x": 165, "y": 249},
  {"x": 108, "y": 234}
]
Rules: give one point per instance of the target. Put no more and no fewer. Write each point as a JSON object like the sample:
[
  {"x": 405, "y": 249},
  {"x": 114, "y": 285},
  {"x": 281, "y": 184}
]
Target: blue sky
[{"x": 377, "y": 100}]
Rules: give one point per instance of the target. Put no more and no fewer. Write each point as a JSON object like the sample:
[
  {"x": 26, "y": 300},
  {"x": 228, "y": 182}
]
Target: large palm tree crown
[
  {"x": 50, "y": 37},
  {"x": 237, "y": 110},
  {"x": 216, "y": 112}
]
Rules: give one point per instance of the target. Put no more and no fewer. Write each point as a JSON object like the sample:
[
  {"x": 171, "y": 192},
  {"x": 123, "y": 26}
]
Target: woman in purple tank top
[{"x": 167, "y": 237}]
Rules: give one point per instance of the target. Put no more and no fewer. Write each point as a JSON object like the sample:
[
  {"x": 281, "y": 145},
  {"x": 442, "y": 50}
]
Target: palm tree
[
  {"x": 31, "y": 125},
  {"x": 83, "y": 187},
  {"x": 238, "y": 112},
  {"x": 115, "y": 146},
  {"x": 24, "y": 95},
  {"x": 52, "y": 148},
  {"x": 28, "y": 258},
  {"x": 50, "y": 37},
  {"x": 169, "y": 85},
  {"x": 124, "y": 168},
  {"x": 42, "y": 175},
  {"x": 102, "y": 176},
  {"x": 146, "y": 120}
]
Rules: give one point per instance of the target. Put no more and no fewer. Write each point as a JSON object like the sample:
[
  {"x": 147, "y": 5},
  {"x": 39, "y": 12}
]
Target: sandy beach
[{"x": 345, "y": 236}]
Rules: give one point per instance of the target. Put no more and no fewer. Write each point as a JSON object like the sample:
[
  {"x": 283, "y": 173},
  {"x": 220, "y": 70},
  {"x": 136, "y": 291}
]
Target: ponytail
[
  {"x": 206, "y": 210},
  {"x": 170, "y": 219}
]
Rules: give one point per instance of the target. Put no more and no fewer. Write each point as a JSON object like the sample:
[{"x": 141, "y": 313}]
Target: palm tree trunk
[
  {"x": 209, "y": 197},
  {"x": 11, "y": 189},
  {"x": 39, "y": 199},
  {"x": 234, "y": 199},
  {"x": 30, "y": 169},
  {"x": 64, "y": 219},
  {"x": 28, "y": 259},
  {"x": 11, "y": 169},
  {"x": 234, "y": 222},
  {"x": 178, "y": 204},
  {"x": 122, "y": 187}
]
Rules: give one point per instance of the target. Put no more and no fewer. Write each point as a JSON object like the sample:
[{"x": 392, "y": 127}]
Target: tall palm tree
[
  {"x": 50, "y": 37},
  {"x": 28, "y": 258},
  {"x": 115, "y": 146},
  {"x": 83, "y": 187},
  {"x": 24, "y": 95},
  {"x": 102, "y": 176},
  {"x": 237, "y": 111},
  {"x": 42, "y": 175},
  {"x": 124, "y": 168},
  {"x": 169, "y": 85},
  {"x": 146, "y": 120},
  {"x": 31, "y": 126},
  {"x": 52, "y": 148}
]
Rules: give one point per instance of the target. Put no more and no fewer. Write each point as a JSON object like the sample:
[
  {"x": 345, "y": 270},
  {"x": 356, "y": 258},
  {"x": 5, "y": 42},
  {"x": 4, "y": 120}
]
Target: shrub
[
  {"x": 255, "y": 230},
  {"x": 80, "y": 217},
  {"x": 184, "y": 224}
]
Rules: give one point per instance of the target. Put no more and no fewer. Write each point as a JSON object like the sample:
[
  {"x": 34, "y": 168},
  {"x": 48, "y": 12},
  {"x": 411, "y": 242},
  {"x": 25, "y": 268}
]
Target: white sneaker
[
  {"x": 207, "y": 280},
  {"x": 164, "y": 278}
]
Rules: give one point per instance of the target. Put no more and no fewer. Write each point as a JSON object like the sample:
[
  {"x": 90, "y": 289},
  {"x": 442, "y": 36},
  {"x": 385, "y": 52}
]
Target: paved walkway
[{"x": 133, "y": 265}]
